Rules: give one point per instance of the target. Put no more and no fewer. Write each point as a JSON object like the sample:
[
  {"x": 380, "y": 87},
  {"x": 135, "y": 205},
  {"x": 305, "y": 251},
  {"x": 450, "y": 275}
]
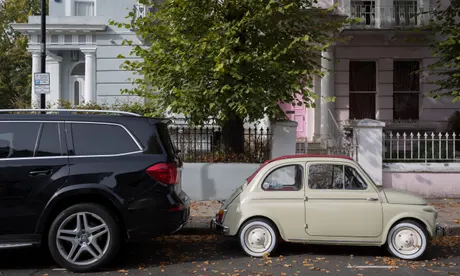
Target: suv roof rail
[{"x": 70, "y": 111}]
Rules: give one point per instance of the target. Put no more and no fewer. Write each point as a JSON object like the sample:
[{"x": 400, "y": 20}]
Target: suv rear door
[
  {"x": 33, "y": 165},
  {"x": 171, "y": 152}
]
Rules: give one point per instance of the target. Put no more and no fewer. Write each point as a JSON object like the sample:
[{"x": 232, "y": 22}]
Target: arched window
[{"x": 78, "y": 70}]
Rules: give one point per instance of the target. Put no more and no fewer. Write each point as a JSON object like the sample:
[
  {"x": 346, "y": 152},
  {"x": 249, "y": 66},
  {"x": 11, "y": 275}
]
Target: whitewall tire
[
  {"x": 407, "y": 240},
  {"x": 258, "y": 237}
]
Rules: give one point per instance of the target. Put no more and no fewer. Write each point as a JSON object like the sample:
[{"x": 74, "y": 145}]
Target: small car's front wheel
[
  {"x": 407, "y": 240},
  {"x": 258, "y": 237},
  {"x": 84, "y": 237}
]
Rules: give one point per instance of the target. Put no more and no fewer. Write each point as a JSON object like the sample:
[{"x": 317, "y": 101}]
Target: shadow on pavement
[{"x": 182, "y": 249}]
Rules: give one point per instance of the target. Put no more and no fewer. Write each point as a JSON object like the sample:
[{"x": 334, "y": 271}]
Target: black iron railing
[{"x": 205, "y": 144}]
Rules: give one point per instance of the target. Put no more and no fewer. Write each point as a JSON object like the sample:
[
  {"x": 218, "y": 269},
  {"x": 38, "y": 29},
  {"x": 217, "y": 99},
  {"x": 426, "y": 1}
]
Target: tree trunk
[{"x": 233, "y": 135}]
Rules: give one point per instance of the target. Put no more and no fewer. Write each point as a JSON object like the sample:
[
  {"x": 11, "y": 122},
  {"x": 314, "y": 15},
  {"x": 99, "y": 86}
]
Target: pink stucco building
[{"x": 372, "y": 72}]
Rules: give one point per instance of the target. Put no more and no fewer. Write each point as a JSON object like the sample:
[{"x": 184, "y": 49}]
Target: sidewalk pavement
[{"x": 202, "y": 212}]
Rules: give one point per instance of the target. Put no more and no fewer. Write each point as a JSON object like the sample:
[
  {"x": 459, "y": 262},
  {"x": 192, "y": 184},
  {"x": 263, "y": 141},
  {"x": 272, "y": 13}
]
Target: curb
[
  {"x": 451, "y": 230},
  {"x": 197, "y": 226},
  {"x": 195, "y": 231}
]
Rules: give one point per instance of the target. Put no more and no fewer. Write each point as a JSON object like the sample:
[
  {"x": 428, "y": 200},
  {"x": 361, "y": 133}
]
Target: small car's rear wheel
[
  {"x": 84, "y": 238},
  {"x": 407, "y": 240},
  {"x": 258, "y": 237}
]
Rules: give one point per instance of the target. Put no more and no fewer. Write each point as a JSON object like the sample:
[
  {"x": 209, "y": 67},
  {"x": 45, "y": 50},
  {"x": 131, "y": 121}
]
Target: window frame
[
  {"x": 70, "y": 7},
  {"x": 71, "y": 148},
  {"x": 418, "y": 93},
  {"x": 271, "y": 170},
  {"x": 60, "y": 126},
  {"x": 37, "y": 139},
  {"x": 356, "y": 92},
  {"x": 338, "y": 163}
]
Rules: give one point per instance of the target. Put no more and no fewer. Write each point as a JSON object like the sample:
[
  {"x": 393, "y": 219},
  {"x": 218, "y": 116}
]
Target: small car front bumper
[{"x": 219, "y": 227}]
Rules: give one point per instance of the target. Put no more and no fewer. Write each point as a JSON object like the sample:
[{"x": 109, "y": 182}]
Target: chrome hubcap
[
  {"x": 407, "y": 241},
  {"x": 258, "y": 239},
  {"x": 83, "y": 238}
]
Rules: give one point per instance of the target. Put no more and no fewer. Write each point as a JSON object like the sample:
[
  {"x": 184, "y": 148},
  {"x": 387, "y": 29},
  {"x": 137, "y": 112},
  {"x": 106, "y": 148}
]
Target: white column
[
  {"x": 35, "y": 69},
  {"x": 317, "y": 124},
  {"x": 90, "y": 76},
  {"x": 283, "y": 138},
  {"x": 310, "y": 123},
  {"x": 327, "y": 90},
  {"x": 53, "y": 66},
  {"x": 369, "y": 137}
]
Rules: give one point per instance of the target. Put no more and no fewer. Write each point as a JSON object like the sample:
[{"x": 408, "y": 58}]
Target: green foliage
[
  {"x": 15, "y": 69},
  {"x": 453, "y": 124},
  {"x": 144, "y": 109},
  {"x": 229, "y": 59},
  {"x": 447, "y": 47},
  {"x": 139, "y": 108}
]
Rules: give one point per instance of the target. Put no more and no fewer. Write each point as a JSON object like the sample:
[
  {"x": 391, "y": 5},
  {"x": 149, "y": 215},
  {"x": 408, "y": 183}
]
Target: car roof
[
  {"x": 297, "y": 156},
  {"x": 308, "y": 155},
  {"x": 69, "y": 116}
]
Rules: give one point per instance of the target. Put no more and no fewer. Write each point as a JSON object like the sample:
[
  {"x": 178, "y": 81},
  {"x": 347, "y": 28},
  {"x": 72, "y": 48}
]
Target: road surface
[{"x": 214, "y": 255}]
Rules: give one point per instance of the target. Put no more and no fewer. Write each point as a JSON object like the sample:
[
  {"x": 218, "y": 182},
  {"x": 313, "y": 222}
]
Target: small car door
[
  {"x": 280, "y": 194},
  {"x": 340, "y": 202},
  {"x": 33, "y": 166}
]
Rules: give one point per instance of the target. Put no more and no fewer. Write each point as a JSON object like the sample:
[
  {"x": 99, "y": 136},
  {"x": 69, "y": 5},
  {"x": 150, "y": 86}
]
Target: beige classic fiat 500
[{"x": 324, "y": 200}]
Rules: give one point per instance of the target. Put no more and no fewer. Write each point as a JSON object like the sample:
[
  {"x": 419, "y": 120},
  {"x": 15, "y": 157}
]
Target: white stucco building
[
  {"x": 82, "y": 50},
  {"x": 370, "y": 75}
]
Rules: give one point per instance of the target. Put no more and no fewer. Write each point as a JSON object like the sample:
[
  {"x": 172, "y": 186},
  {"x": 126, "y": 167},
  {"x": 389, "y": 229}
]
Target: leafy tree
[
  {"x": 446, "y": 25},
  {"x": 229, "y": 60},
  {"x": 15, "y": 68}
]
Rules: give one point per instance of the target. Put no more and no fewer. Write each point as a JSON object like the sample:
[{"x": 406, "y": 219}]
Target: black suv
[{"x": 82, "y": 182}]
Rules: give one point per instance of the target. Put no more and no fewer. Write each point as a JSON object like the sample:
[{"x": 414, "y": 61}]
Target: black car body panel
[{"x": 97, "y": 158}]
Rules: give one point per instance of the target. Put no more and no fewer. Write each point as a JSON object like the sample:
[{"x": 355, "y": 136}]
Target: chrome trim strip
[
  {"x": 70, "y": 110},
  {"x": 14, "y": 245},
  {"x": 280, "y": 198},
  {"x": 101, "y": 156},
  {"x": 69, "y": 156},
  {"x": 332, "y": 241},
  {"x": 341, "y": 199}
]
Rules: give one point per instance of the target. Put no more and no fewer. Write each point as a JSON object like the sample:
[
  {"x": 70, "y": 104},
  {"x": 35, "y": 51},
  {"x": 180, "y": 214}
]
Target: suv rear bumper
[{"x": 150, "y": 222}]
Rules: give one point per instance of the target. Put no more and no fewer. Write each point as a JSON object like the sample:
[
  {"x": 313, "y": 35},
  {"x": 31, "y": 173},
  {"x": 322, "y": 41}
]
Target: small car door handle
[
  {"x": 372, "y": 199},
  {"x": 40, "y": 173}
]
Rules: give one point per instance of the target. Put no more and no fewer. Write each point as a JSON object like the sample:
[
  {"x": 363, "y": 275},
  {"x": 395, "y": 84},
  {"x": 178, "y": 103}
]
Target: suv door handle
[
  {"x": 41, "y": 173},
  {"x": 372, "y": 199}
]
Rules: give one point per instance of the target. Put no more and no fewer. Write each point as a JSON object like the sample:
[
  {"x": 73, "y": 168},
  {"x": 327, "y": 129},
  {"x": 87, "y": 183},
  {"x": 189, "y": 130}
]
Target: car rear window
[{"x": 102, "y": 139}]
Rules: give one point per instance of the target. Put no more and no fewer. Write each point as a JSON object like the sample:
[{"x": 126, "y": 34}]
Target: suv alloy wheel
[{"x": 84, "y": 237}]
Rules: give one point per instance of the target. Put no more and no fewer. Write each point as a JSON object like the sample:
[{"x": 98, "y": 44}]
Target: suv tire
[{"x": 88, "y": 234}]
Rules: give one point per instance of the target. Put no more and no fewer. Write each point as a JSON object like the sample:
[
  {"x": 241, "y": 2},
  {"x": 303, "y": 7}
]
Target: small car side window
[
  {"x": 354, "y": 181},
  {"x": 325, "y": 177},
  {"x": 286, "y": 178}
]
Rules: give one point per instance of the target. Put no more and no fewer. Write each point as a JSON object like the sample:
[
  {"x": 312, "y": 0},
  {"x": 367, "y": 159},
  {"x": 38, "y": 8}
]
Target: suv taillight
[{"x": 165, "y": 173}]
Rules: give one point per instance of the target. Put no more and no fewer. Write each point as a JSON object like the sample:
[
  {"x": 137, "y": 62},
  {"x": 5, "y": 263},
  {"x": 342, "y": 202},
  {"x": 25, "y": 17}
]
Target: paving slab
[{"x": 448, "y": 215}]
